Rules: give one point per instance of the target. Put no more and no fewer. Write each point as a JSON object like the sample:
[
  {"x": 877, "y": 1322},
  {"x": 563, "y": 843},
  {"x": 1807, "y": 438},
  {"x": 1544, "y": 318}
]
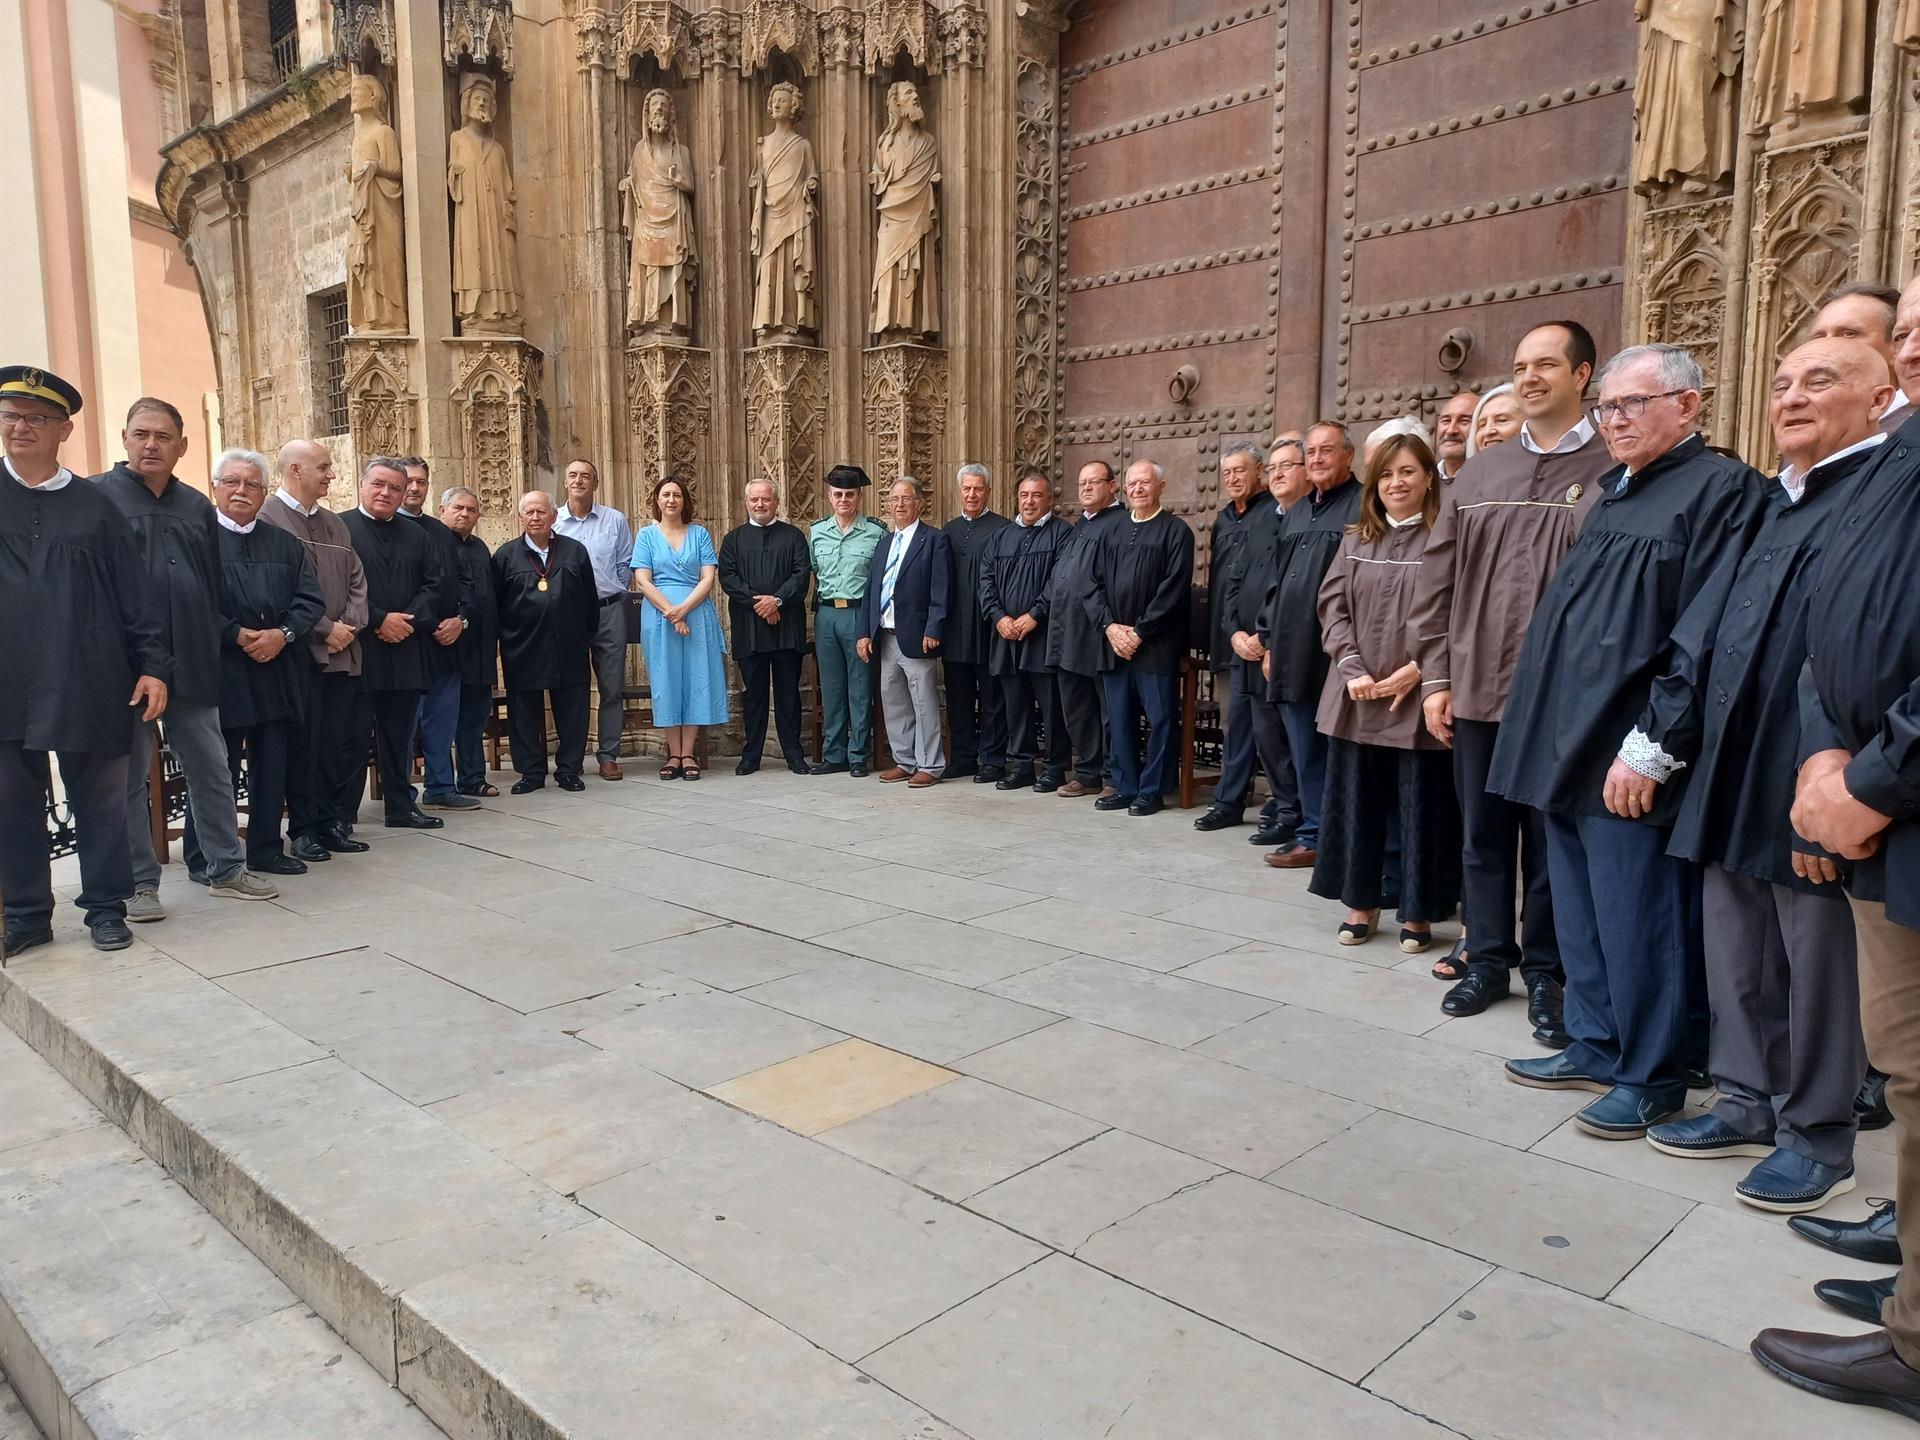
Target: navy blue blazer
[{"x": 919, "y": 593}]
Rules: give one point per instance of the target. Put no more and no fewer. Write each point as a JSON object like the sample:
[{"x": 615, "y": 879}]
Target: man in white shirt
[
  {"x": 902, "y": 620},
  {"x": 609, "y": 542}
]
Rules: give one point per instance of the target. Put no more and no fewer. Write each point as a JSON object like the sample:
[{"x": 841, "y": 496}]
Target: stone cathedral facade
[{"x": 728, "y": 238}]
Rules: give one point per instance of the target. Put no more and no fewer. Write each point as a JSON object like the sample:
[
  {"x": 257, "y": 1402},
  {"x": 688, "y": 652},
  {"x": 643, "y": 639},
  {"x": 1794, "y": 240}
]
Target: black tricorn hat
[{"x": 847, "y": 477}]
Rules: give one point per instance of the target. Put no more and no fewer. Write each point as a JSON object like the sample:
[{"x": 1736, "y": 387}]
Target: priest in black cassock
[
  {"x": 83, "y": 658},
  {"x": 976, "y": 720},
  {"x": 1138, "y": 596},
  {"x": 269, "y": 600},
  {"x": 1076, "y": 650},
  {"x": 549, "y": 611},
  {"x": 1016, "y": 575},
  {"x": 405, "y": 594},
  {"x": 1669, "y": 529},
  {"x": 440, "y": 649},
  {"x": 476, "y": 654},
  {"x": 764, "y": 570}
]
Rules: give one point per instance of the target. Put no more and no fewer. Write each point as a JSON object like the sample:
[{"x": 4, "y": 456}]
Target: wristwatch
[{"x": 288, "y": 632}]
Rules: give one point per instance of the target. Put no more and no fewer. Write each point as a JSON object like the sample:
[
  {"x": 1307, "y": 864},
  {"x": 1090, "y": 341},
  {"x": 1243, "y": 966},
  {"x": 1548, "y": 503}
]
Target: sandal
[
  {"x": 1351, "y": 933},
  {"x": 484, "y": 791},
  {"x": 1415, "y": 941},
  {"x": 670, "y": 770},
  {"x": 1453, "y": 965},
  {"x": 689, "y": 768}
]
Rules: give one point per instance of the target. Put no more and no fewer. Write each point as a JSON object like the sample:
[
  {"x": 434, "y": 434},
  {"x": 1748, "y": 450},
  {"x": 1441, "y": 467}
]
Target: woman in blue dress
[{"x": 675, "y": 568}]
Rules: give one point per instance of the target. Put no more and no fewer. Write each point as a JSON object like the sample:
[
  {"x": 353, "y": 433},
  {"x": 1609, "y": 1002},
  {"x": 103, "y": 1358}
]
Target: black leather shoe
[
  {"x": 1861, "y": 1299},
  {"x": 111, "y": 934},
  {"x": 527, "y": 787},
  {"x": 414, "y": 820},
  {"x": 1870, "y": 1105},
  {"x": 1554, "y": 1038},
  {"x": 1113, "y": 802},
  {"x": 1546, "y": 1002},
  {"x": 858, "y": 772},
  {"x": 747, "y": 767},
  {"x": 25, "y": 938},
  {"x": 1874, "y": 1240},
  {"x": 799, "y": 767},
  {"x": 1147, "y": 805},
  {"x": 991, "y": 775},
  {"x": 340, "y": 842},
  {"x": 572, "y": 783},
  {"x": 277, "y": 865},
  {"x": 1015, "y": 782},
  {"x": 960, "y": 772},
  {"x": 1047, "y": 785},
  {"x": 1218, "y": 820},
  {"x": 1482, "y": 986},
  {"x": 829, "y": 767},
  {"x": 1270, "y": 837},
  {"x": 309, "y": 849}
]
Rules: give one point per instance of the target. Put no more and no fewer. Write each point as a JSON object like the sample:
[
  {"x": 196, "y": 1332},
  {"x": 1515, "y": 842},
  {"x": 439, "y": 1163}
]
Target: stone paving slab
[
  {"x": 1069, "y": 1199},
  {"x": 832, "y": 1086},
  {"x": 1132, "y": 1000},
  {"x": 15, "y": 1423},
  {"x": 1091, "y": 930},
  {"x": 1358, "y": 991},
  {"x": 942, "y": 949},
  {"x": 702, "y": 1040},
  {"x": 732, "y": 957}
]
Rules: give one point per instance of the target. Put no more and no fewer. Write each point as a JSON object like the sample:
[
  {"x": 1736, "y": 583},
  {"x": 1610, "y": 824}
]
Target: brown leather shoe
[
  {"x": 1854, "y": 1369},
  {"x": 1292, "y": 857},
  {"x": 922, "y": 780},
  {"x": 610, "y": 770},
  {"x": 893, "y": 775},
  {"x": 1074, "y": 790}
]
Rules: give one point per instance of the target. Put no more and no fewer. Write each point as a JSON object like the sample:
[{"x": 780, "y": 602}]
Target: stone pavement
[{"x": 799, "y": 1105}]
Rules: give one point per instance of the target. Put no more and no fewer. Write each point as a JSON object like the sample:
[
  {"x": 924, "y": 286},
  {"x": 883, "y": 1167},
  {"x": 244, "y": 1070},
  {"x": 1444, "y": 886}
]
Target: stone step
[
  {"x": 495, "y": 1303},
  {"x": 126, "y": 1310}
]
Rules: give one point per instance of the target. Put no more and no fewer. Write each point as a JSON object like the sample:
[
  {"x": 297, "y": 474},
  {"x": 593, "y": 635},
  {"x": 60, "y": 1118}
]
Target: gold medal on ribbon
[
  {"x": 1573, "y": 494},
  {"x": 542, "y": 587}
]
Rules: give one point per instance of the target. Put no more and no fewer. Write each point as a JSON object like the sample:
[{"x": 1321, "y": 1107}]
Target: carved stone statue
[
  {"x": 376, "y": 241},
  {"x": 906, "y": 167},
  {"x": 784, "y": 186},
  {"x": 1683, "y": 99},
  {"x": 1808, "y": 55},
  {"x": 486, "y": 250},
  {"x": 657, "y": 212}
]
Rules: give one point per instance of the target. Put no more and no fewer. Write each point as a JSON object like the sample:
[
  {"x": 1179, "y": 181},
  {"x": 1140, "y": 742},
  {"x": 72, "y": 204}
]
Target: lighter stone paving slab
[
  {"x": 1082, "y": 1191},
  {"x": 903, "y": 1011},
  {"x": 831, "y": 1086},
  {"x": 1130, "y": 999}
]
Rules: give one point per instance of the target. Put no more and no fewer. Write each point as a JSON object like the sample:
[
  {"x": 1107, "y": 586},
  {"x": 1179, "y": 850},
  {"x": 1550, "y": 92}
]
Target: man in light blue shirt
[{"x": 609, "y": 541}]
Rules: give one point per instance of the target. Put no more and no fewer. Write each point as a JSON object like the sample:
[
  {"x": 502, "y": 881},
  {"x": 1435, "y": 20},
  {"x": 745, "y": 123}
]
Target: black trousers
[
  {"x": 1030, "y": 699},
  {"x": 527, "y": 731},
  {"x": 96, "y": 787},
  {"x": 1501, "y": 842},
  {"x": 389, "y": 716},
  {"x": 976, "y": 718},
  {"x": 1282, "y": 809},
  {"x": 777, "y": 671},
  {"x": 326, "y": 757},
  {"x": 470, "y": 736},
  {"x": 1084, "y": 704},
  {"x": 263, "y": 751},
  {"x": 1237, "y": 754},
  {"x": 1389, "y": 830}
]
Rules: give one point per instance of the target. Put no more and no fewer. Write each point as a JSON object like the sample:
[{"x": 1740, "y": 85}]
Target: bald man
[{"x": 323, "y": 757}]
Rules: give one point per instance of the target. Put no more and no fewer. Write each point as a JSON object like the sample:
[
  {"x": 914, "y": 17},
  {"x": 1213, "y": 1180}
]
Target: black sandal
[
  {"x": 1451, "y": 966},
  {"x": 1413, "y": 942},
  {"x": 670, "y": 770},
  {"x": 1352, "y": 934},
  {"x": 689, "y": 768}
]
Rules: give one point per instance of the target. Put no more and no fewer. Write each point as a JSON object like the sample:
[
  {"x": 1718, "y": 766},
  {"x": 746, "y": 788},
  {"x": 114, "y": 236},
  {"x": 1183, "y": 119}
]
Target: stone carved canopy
[
  {"x": 669, "y": 410},
  {"x": 660, "y": 29},
  {"x": 787, "y": 423},
  {"x": 479, "y": 32},
  {"x": 496, "y": 386},
  {"x": 789, "y": 26},
  {"x": 381, "y": 414},
  {"x": 906, "y": 405},
  {"x": 360, "y": 25}
]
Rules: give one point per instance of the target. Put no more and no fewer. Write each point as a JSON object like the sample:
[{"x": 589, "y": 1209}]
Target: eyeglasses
[
  {"x": 20, "y": 420},
  {"x": 227, "y": 482},
  {"x": 1628, "y": 407}
]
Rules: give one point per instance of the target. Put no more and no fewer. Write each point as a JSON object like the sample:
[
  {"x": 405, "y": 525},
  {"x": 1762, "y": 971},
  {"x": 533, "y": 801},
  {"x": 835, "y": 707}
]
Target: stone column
[
  {"x": 975, "y": 105},
  {"x": 1038, "y": 231},
  {"x": 842, "y": 131},
  {"x": 603, "y": 249},
  {"x": 723, "y": 150},
  {"x": 420, "y": 115}
]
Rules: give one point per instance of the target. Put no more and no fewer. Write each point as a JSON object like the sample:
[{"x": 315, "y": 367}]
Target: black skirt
[{"x": 1389, "y": 831}]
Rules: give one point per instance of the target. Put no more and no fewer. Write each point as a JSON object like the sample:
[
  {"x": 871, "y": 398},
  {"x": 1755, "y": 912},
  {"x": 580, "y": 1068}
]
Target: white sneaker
[
  {"x": 145, "y": 905},
  {"x": 242, "y": 885}
]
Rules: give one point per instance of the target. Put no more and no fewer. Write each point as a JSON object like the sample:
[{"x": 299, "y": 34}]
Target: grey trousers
[
  {"x": 610, "y": 676},
  {"x": 910, "y": 700},
  {"x": 200, "y": 747},
  {"x": 1786, "y": 1053}
]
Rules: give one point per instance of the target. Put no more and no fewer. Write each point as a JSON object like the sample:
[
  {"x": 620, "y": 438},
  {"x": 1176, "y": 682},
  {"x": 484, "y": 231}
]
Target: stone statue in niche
[
  {"x": 657, "y": 212},
  {"x": 906, "y": 167},
  {"x": 376, "y": 237},
  {"x": 1808, "y": 56},
  {"x": 1683, "y": 99},
  {"x": 486, "y": 251},
  {"x": 784, "y": 186}
]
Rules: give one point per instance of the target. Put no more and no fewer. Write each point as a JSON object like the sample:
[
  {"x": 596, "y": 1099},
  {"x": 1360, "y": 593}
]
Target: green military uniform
[{"x": 840, "y": 562}]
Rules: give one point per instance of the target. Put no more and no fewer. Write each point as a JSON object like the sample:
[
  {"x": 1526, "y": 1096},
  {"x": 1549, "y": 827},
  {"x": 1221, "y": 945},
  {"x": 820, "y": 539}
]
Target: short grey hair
[
  {"x": 1399, "y": 425},
  {"x": 1292, "y": 442},
  {"x": 900, "y": 480},
  {"x": 234, "y": 455},
  {"x": 1159, "y": 475},
  {"x": 974, "y": 467},
  {"x": 381, "y": 462},
  {"x": 446, "y": 495},
  {"x": 1473, "y": 425},
  {"x": 761, "y": 480},
  {"x": 1243, "y": 447},
  {"x": 1678, "y": 369}
]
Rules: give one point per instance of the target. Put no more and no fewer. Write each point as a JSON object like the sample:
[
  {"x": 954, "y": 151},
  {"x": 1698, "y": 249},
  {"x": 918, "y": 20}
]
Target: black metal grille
[
  {"x": 283, "y": 35},
  {"x": 330, "y": 358}
]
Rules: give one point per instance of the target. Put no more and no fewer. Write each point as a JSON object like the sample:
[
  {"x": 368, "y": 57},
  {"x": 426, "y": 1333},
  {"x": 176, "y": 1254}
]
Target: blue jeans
[
  {"x": 1309, "y": 749},
  {"x": 439, "y": 715},
  {"x": 1130, "y": 694},
  {"x": 1628, "y": 918}
]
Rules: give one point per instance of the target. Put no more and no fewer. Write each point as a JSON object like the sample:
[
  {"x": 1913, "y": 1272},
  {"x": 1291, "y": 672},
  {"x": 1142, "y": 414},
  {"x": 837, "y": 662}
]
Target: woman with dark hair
[
  {"x": 1391, "y": 827},
  {"x": 676, "y": 569}
]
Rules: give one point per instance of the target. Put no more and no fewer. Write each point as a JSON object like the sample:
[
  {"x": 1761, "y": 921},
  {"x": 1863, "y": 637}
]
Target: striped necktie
[{"x": 894, "y": 557}]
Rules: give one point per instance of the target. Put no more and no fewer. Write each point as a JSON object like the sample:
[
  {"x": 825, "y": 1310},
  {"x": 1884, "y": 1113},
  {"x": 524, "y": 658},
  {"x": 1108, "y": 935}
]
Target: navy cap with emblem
[{"x": 32, "y": 383}]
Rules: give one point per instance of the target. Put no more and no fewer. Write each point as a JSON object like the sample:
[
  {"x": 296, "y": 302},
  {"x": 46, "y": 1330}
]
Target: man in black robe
[
  {"x": 1786, "y": 1055},
  {"x": 549, "y": 610},
  {"x": 975, "y": 719},
  {"x": 405, "y": 591},
  {"x": 440, "y": 702},
  {"x": 1076, "y": 650},
  {"x": 1295, "y": 665},
  {"x": 269, "y": 601},
  {"x": 476, "y": 654},
  {"x": 173, "y": 523},
  {"x": 764, "y": 570},
  {"x": 1138, "y": 595},
  {"x": 1670, "y": 526},
  {"x": 81, "y": 644},
  {"x": 1015, "y": 579},
  {"x": 1243, "y": 515}
]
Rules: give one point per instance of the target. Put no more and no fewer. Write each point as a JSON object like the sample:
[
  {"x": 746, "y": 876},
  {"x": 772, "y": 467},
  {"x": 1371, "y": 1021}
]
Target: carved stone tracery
[
  {"x": 789, "y": 26},
  {"x": 1036, "y": 153},
  {"x": 896, "y": 25},
  {"x": 496, "y": 385},
  {"x": 479, "y": 32},
  {"x": 362, "y": 24},
  {"x": 669, "y": 410},
  {"x": 660, "y": 29},
  {"x": 905, "y": 392},
  {"x": 787, "y": 424},
  {"x": 381, "y": 414}
]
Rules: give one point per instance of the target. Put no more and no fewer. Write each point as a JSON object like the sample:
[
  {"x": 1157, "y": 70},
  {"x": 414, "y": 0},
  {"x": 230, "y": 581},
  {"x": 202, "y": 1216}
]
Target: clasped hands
[
  {"x": 1015, "y": 627},
  {"x": 1394, "y": 689},
  {"x": 1826, "y": 814},
  {"x": 1124, "y": 639},
  {"x": 261, "y": 646}
]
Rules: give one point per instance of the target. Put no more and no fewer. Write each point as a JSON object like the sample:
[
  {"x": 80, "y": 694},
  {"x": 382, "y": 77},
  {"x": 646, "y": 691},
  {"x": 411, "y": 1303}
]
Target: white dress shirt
[{"x": 902, "y": 540}]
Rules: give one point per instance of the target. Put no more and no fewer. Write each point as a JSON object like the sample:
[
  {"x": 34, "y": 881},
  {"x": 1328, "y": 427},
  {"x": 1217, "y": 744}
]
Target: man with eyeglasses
[
  {"x": 81, "y": 645},
  {"x": 1668, "y": 530},
  {"x": 1503, "y": 527},
  {"x": 1235, "y": 525},
  {"x": 178, "y": 536}
]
